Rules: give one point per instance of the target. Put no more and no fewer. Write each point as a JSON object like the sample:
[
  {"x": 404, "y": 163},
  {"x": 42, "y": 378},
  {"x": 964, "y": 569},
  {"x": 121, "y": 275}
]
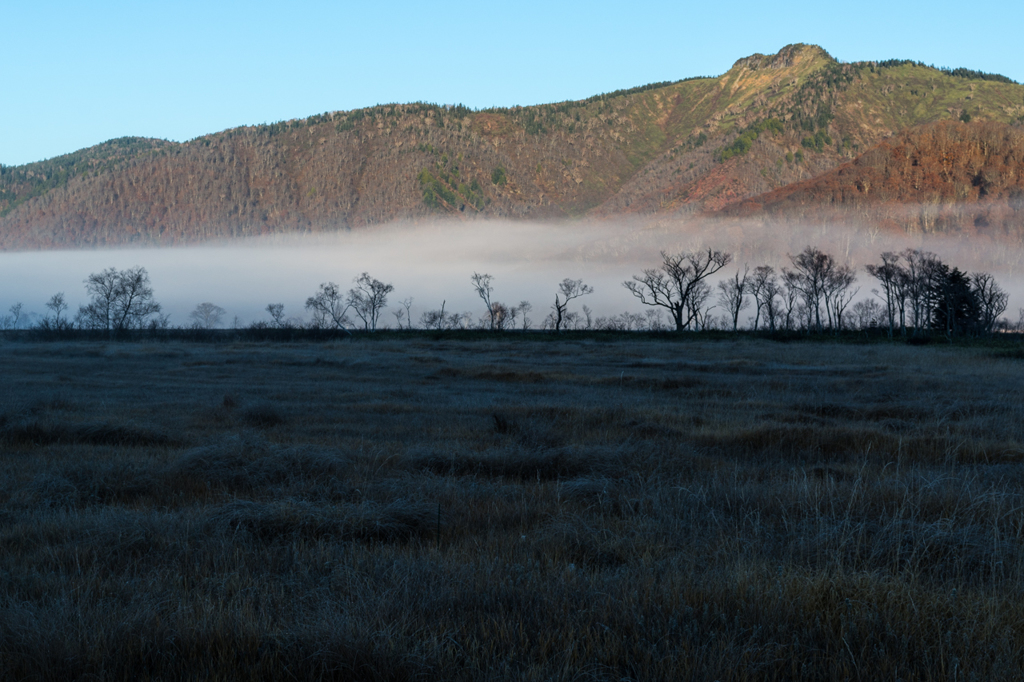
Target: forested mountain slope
[
  {"x": 947, "y": 176},
  {"x": 695, "y": 145}
]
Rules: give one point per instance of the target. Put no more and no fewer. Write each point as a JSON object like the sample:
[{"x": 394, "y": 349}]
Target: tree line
[{"x": 917, "y": 295}]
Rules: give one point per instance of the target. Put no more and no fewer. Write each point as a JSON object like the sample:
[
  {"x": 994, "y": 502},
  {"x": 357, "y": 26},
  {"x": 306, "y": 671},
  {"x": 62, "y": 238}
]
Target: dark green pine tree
[{"x": 956, "y": 309}]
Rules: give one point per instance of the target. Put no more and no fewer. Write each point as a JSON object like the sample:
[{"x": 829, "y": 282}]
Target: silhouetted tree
[
  {"x": 207, "y": 315},
  {"x": 525, "y": 307},
  {"x": 811, "y": 270},
  {"x": 57, "y": 306},
  {"x": 484, "y": 289},
  {"x": 587, "y": 315},
  {"x": 11, "y": 321},
  {"x": 502, "y": 316},
  {"x": 276, "y": 311},
  {"x": 440, "y": 321},
  {"x": 328, "y": 308},
  {"x": 868, "y": 313},
  {"x": 697, "y": 308},
  {"x": 790, "y": 298},
  {"x": 889, "y": 274},
  {"x": 838, "y": 293},
  {"x": 404, "y": 313},
  {"x": 568, "y": 289},
  {"x": 368, "y": 299},
  {"x": 956, "y": 309},
  {"x": 733, "y": 295},
  {"x": 991, "y": 300},
  {"x": 764, "y": 286},
  {"x": 121, "y": 299},
  {"x": 673, "y": 285},
  {"x": 919, "y": 272}
]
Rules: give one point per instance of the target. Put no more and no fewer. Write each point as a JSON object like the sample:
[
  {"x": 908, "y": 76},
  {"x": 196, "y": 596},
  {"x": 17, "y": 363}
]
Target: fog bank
[{"x": 433, "y": 263}]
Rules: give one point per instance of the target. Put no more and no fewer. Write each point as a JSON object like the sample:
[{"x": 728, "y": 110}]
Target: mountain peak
[{"x": 796, "y": 54}]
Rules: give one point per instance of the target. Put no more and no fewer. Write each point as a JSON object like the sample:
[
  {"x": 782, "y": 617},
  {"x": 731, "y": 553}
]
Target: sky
[{"x": 80, "y": 73}]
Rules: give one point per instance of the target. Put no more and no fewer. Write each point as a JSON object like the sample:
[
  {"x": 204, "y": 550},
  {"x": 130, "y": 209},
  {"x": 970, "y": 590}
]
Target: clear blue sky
[{"x": 79, "y": 73}]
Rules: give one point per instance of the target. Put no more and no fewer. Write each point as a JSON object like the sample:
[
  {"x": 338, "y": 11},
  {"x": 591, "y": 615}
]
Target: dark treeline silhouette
[
  {"x": 922, "y": 294},
  {"x": 918, "y": 296}
]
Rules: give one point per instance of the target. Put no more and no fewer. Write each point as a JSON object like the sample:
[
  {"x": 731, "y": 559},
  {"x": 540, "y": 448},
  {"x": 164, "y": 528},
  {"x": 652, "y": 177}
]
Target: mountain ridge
[{"x": 690, "y": 146}]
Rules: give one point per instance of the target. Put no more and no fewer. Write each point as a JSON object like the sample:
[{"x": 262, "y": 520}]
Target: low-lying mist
[{"x": 433, "y": 262}]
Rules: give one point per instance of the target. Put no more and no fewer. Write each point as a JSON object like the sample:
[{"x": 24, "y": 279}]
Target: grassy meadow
[{"x": 510, "y": 509}]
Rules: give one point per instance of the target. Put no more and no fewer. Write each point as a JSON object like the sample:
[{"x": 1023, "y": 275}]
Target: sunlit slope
[
  {"x": 947, "y": 176},
  {"x": 830, "y": 113},
  {"x": 896, "y": 97},
  {"x": 692, "y": 145}
]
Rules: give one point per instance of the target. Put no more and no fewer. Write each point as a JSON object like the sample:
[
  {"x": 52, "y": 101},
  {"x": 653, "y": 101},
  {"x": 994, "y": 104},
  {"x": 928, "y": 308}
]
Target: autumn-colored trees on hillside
[{"x": 942, "y": 177}]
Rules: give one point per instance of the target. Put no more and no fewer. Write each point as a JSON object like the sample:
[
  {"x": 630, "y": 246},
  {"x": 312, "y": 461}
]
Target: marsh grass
[{"x": 467, "y": 510}]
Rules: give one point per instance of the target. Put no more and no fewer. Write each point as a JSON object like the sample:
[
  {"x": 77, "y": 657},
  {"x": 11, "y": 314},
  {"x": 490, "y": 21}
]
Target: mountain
[
  {"x": 692, "y": 146},
  {"x": 948, "y": 176}
]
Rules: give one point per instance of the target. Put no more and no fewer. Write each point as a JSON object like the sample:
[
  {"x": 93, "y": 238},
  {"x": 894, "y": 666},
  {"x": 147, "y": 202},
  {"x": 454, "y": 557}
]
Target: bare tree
[
  {"x": 525, "y": 307},
  {"x": 438, "y": 320},
  {"x": 121, "y": 299},
  {"x": 626, "y": 321},
  {"x": 588, "y": 316},
  {"x": 992, "y": 300},
  {"x": 868, "y": 313},
  {"x": 909, "y": 278},
  {"x": 399, "y": 316},
  {"x": 207, "y": 315},
  {"x": 569, "y": 289},
  {"x": 104, "y": 288},
  {"x": 839, "y": 293},
  {"x": 135, "y": 304},
  {"x": 697, "y": 306},
  {"x": 405, "y": 312},
  {"x": 368, "y": 299},
  {"x": 276, "y": 311},
  {"x": 502, "y": 316},
  {"x": 811, "y": 270},
  {"x": 328, "y": 307},
  {"x": 917, "y": 284},
  {"x": 790, "y": 298},
  {"x": 764, "y": 287},
  {"x": 433, "y": 319},
  {"x": 11, "y": 321},
  {"x": 58, "y": 306},
  {"x": 654, "y": 322},
  {"x": 889, "y": 274},
  {"x": 484, "y": 289},
  {"x": 733, "y": 295},
  {"x": 673, "y": 284}
]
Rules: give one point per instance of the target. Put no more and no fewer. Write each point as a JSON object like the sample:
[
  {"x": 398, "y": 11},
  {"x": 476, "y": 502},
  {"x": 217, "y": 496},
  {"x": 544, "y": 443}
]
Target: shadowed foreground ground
[{"x": 420, "y": 509}]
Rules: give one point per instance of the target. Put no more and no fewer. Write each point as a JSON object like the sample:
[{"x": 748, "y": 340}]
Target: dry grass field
[{"x": 510, "y": 509}]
